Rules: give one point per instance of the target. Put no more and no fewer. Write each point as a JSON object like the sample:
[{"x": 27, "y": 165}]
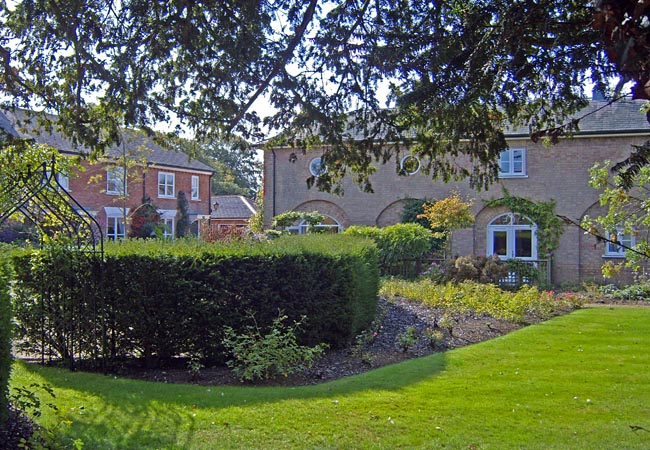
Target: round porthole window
[
  {"x": 410, "y": 164},
  {"x": 316, "y": 167}
]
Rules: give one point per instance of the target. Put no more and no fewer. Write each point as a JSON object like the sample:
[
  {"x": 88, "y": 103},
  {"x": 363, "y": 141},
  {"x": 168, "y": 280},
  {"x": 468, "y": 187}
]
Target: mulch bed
[{"x": 379, "y": 350}]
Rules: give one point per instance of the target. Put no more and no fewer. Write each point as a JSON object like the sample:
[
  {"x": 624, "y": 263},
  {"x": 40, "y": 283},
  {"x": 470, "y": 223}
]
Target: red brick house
[
  {"x": 531, "y": 170},
  {"x": 231, "y": 211},
  {"x": 136, "y": 170}
]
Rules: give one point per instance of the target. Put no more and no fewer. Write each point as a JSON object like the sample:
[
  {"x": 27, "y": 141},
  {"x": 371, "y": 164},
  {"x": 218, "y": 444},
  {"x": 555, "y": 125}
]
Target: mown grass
[{"x": 579, "y": 381}]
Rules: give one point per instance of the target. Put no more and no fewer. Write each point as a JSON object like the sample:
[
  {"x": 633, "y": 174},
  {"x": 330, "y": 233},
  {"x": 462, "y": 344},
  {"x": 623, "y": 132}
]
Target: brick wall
[
  {"x": 88, "y": 187},
  {"x": 558, "y": 173}
]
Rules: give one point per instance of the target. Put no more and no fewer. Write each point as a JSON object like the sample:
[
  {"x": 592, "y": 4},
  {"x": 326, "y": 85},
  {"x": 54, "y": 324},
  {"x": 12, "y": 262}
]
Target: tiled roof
[
  {"x": 232, "y": 207},
  {"x": 599, "y": 118},
  {"x": 135, "y": 143},
  {"x": 6, "y": 126}
]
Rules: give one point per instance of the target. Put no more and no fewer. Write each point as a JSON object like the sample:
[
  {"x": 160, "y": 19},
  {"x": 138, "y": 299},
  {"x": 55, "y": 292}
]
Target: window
[
  {"x": 64, "y": 181},
  {"x": 316, "y": 167},
  {"x": 410, "y": 165},
  {"x": 512, "y": 236},
  {"x": 115, "y": 228},
  {"x": 613, "y": 250},
  {"x": 328, "y": 225},
  {"x": 166, "y": 186},
  {"x": 115, "y": 222},
  {"x": 512, "y": 163},
  {"x": 167, "y": 218},
  {"x": 195, "y": 187},
  {"x": 115, "y": 181}
]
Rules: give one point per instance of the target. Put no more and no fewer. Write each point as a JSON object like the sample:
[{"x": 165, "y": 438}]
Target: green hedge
[
  {"x": 160, "y": 300},
  {"x": 396, "y": 243},
  {"x": 5, "y": 333}
]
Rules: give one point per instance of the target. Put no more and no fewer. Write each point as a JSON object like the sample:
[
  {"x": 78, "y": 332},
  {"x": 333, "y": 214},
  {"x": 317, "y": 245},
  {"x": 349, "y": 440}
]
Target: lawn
[{"x": 579, "y": 381}]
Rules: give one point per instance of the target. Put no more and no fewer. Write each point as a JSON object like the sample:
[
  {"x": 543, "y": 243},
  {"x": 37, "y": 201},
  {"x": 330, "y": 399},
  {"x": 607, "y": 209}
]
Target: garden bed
[{"x": 380, "y": 347}]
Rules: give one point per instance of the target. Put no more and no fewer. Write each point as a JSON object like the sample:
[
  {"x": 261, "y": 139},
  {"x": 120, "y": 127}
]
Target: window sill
[
  {"x": 501, "y": 176},
  {"x": 613, "y": 256},
  {"x": 114, "y": 193},
  {"x": 167, "y": 196}
]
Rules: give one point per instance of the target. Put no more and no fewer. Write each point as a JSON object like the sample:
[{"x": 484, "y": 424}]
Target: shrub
[
  {"x": 5, "y": 334},
  {"x": 476, "y": 298},
  {"x": 435, "y": 338},
  {"x": 632, "y": 292},
  {"x": 480, "y": 269},
  {"x": 407, "y": 339},
  {"x": 226, "y": 234},
  {"x": 258, "y": 355},
  {"x": 396, "y": 242},
  {"x": 145, "y": 221},
  {"x": 158, "y": 299},
  {"x": 289, "y": 218}
]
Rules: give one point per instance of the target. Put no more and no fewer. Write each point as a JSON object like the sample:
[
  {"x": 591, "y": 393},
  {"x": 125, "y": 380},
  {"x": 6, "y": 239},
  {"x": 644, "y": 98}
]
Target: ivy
[{"x": 549, "y": 226}]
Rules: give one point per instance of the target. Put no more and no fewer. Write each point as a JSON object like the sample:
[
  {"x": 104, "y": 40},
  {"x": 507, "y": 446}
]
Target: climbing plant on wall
[{"x": 549, "y": 226}]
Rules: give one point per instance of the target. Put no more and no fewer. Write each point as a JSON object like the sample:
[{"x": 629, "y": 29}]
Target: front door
[{"x": 512, "y": 236}]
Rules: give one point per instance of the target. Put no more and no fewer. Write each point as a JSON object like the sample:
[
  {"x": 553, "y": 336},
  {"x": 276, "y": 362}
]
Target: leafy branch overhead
[{"x": 362, "y": 79}]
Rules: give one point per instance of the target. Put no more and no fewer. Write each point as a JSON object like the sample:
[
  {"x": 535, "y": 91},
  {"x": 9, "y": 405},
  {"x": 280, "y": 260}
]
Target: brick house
[
  {"x": 231, "y": 211},
  {"x": 531, "y": 170},
  {"x": 111, "y": 189}
]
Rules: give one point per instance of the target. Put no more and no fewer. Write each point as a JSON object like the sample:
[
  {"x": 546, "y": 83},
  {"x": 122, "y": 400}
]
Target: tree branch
[
  {"x": 284, "y": 58},
  {"x": 600, "y": 237}
]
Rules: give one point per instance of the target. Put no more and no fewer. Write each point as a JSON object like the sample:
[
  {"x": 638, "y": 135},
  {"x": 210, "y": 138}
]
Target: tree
[
  {"x": 446, "y": 215},
  {"x": 183, "y": 224},
  {"x": 628, "y": 214},
  {"x": 237, "y": 171},
  {"x": 145, "y": 221},
  {"x": 452, "y": 72},
  {"x": 29, "y": 189}
]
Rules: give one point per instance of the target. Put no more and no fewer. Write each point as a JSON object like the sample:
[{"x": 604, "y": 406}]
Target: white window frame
[
  {"x": 115, "y": 181},
  {"x": 303, "y": 226},
  {"x": 613, "y": 250},
  {"x": 164, "y": 185},
  {"x": 115, "y": 218},
  {"x": 195, "y": 187},
  {"x": 509, "y": 157},
  {"x": 168, "y": 220},
  {"x": 511, "y": 237},
  {"x": 64, "y": 181}
]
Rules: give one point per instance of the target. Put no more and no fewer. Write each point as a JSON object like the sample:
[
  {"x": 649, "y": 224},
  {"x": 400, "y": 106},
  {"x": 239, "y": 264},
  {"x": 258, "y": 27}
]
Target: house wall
[
  {"x": 557, "y": 173},
  {"x": 88, "y": 187}
]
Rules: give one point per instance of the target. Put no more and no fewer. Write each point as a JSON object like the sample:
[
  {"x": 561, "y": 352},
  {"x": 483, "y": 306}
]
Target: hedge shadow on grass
[{"x": 145, "y": 402}]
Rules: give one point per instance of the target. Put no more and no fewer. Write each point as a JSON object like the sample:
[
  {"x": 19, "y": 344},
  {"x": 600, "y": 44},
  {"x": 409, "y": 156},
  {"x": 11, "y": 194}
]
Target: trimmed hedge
[
  {"x": 5, "y": 334},
  {"x": 402, "y": 241},
  {"x": 159, "y": 300}
]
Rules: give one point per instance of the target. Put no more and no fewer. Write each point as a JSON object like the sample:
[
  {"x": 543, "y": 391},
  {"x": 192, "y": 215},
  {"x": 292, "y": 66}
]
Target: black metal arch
[{"x": 38, "y": 195}]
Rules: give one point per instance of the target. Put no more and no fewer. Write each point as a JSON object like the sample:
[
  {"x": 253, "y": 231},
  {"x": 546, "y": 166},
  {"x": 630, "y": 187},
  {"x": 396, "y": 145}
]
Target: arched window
[
  {"x": 328, "y": 225},
  {"x": 512, "y": 236}
]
